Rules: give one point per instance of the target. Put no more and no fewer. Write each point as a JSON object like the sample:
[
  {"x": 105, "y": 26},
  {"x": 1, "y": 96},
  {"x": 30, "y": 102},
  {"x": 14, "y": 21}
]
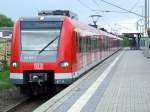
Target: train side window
[
  {"x": 100, "y": 43},
  {"x": 97, "y": 44},
  {"x": 80, "y": 44},
  {"x": 105, "y": 43},
  {"x": 92, "y": 45},
  {"x": 84, "y": 44},
  {"x": 97, "y": 40},
  {"x": 87, "y": 44}
]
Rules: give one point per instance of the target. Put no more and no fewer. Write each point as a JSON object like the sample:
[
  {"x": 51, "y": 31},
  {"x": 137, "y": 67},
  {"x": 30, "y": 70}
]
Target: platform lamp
[{"x": 95, "y": 19}]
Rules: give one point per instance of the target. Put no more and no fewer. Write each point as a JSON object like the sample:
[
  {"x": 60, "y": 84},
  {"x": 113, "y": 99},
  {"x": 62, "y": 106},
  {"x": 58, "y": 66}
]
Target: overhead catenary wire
[
  {"x": 136, "y": 3},
  {"x": 98, "y": 5},
  {"x": 122, "y": 8},
  {"x": 99, "y": 10},
  {"x": 86, "y": 6},
  {"x": 95, "y": 2},
  {"x": 112, "y": 11}
]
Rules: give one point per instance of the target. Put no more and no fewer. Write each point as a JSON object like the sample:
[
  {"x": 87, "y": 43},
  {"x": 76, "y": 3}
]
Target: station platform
[{"x": 119, "y": 84}]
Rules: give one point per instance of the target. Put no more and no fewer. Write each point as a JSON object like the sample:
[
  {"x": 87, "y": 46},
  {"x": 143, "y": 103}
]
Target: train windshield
[{"x": 35, "y": 35}]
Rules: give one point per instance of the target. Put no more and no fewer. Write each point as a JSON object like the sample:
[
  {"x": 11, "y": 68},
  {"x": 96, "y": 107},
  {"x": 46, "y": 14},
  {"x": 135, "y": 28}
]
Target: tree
[
  {"x": 5, "y": 21},
  {"x": 125, "y": 42}
]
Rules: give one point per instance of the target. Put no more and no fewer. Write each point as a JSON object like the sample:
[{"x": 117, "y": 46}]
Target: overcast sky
[{"x": 110, "y": 20}]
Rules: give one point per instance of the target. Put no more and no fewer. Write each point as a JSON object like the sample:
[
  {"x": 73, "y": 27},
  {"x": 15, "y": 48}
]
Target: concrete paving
[
  {"x": 129, "y": 89},
  {"x": 121, "y": 86}
]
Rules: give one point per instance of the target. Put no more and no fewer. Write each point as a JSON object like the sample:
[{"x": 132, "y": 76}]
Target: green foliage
[
  {"x": 4, "y": 78},
  {"x": 125, "y": 42},
  {"x": 6, "y": 67},
  {"x": 5, "y": 21}
]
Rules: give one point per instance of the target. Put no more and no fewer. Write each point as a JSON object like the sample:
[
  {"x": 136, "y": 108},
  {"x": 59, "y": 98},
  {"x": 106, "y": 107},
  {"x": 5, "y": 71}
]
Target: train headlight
[
  {"x": 64, "y": 64},
  {"x": 15, "y": 64}
]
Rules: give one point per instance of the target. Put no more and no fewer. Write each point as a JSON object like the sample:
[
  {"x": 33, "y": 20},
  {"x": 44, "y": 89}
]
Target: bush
[{"x": 4, "y": 78}]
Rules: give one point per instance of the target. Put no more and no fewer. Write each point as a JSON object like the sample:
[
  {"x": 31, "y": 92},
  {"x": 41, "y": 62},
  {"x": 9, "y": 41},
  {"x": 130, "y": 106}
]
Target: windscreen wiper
[{"x": 48, "y": 45}]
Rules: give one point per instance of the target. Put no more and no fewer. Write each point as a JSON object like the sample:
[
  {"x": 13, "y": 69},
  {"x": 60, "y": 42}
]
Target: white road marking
[{"x": 82, "y": 101}]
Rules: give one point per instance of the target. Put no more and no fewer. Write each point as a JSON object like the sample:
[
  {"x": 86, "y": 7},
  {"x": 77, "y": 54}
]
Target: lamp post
[{"x": 95, "y": 19}]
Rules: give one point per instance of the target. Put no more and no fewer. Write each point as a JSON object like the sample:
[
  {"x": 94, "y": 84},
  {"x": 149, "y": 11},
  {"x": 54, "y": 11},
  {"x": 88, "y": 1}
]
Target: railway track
[
  {"x": 10, "y": 98},
  {"x": 9, "y": 108},
  {"x": 29, "y": 104}
]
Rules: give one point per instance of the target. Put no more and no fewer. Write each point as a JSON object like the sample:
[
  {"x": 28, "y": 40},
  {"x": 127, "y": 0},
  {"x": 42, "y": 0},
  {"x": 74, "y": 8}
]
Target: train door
[
  {"x": 78, "y": 51},
  {"x": 75, "y": 51}
]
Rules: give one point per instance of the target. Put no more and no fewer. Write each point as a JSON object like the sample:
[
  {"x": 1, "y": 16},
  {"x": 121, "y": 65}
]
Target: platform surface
[{"x": 120, "y": 84}]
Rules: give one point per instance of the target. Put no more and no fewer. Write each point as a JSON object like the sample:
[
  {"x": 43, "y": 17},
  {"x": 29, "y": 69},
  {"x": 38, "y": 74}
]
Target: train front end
[{"x": 39, "y": 54}]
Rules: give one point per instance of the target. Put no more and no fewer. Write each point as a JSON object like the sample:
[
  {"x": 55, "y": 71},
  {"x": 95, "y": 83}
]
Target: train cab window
[{"x": 39, "y": 39}]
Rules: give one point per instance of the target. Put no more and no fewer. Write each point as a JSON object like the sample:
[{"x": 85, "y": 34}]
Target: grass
[{"x": 4, "y": 79}]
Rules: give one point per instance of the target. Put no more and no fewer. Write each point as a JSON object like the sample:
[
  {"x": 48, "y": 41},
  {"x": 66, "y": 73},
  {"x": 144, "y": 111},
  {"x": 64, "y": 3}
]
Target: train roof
[
  {"x": 43, "y": 18},
  {"x": 68, "y": 13},
  {"x": 80, "y": 26}
]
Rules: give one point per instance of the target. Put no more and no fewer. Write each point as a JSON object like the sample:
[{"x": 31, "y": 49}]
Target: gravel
[{"x": 9, "y": 98}]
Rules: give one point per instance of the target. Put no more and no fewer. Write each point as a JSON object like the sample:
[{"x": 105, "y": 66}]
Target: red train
[{"x": 55, "y": 50}]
